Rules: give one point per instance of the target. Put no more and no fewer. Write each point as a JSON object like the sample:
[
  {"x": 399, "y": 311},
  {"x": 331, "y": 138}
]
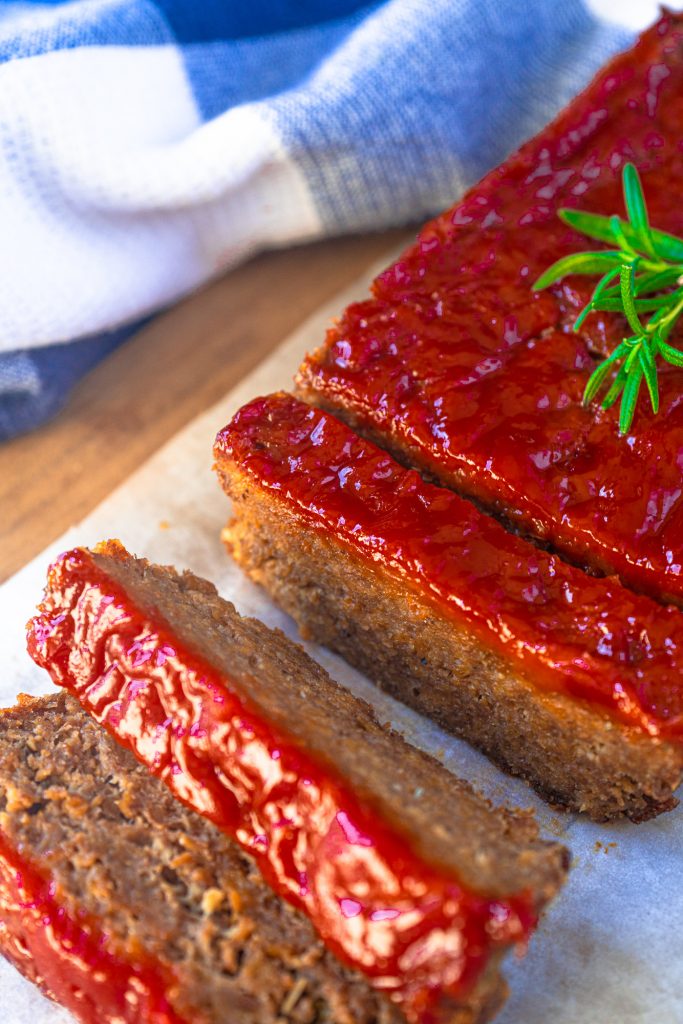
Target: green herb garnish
[{"x": 642, "y": 273}]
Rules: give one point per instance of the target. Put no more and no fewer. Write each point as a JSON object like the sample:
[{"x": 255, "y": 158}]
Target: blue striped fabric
[{"x": 251, "y": 124}]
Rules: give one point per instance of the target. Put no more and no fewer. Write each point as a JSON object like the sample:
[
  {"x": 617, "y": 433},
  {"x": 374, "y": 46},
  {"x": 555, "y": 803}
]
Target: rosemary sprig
[{"x": 641, "y": 274}]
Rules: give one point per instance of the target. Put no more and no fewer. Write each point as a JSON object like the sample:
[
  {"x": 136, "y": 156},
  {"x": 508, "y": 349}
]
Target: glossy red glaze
[
  {"x": 571, "y": 633},
  {"x": 68, "y": 957},
  {"x": 460, "y": 368},
  {"x": 412, "y": 928}
]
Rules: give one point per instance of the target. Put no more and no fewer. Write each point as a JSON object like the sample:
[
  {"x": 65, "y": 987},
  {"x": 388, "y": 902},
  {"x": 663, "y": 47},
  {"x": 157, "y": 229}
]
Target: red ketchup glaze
[
  {"x": 410, "y": 927},
  {"x": 68, "y": 956},
  {"x": 587, "y": 637},
  {"x": 456, "y": 362}
]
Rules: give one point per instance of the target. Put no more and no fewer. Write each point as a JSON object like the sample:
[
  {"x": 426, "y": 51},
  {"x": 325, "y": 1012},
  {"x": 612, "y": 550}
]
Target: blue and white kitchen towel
[{"x": 147, "y": 145}]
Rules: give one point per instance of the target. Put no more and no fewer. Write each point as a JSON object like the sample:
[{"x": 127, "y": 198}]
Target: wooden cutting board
[{"x": 161, "y": 379}]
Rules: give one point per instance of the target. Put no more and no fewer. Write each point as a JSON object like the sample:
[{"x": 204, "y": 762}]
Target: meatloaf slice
[
  {"x": 572, "y": 682},
  {"x": 125, "y": 906},
  {"x": 407, "y": 875},
  {"x": 459, "y": 369}
]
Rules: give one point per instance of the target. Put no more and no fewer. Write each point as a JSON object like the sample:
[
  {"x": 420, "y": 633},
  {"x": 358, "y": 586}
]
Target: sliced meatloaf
[
  {"x": 411, "y": 879},
  {"x": 123, "y": 905},
  {"x": 570, "y": 681},
  {"x": 459, "y": 369}
]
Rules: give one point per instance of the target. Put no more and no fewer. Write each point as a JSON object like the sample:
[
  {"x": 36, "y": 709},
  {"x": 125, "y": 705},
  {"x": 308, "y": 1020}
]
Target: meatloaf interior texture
[
  {"x": 576, "y": 754},
  {"x": 496, "y": 851},
  {"x": 456, "y": 366},
  {"x": 167, "y": 885},
  {"x": 443, "y": 818}
]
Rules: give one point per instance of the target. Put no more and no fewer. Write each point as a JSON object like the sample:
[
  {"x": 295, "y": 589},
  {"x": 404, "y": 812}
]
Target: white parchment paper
[{"x": 610, "y": 949}]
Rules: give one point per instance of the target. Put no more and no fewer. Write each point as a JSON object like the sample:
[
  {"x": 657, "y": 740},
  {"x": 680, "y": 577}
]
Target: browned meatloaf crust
[{"x": 576, "y": 756}]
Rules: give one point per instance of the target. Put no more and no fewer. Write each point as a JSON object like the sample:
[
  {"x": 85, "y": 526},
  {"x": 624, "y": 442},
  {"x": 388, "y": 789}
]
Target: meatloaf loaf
[
  {"x": 459, "y": 369},
  {"x": 411, "y": 879},
  {"x": 572, "y": 682}
]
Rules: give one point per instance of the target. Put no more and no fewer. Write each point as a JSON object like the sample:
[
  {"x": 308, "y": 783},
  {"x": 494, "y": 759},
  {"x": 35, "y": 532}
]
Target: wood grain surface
[{"x": 143, "y": 393}]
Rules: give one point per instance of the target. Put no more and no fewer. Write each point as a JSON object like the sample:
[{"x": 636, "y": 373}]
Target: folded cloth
[{"x": 147, "y": 145}]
